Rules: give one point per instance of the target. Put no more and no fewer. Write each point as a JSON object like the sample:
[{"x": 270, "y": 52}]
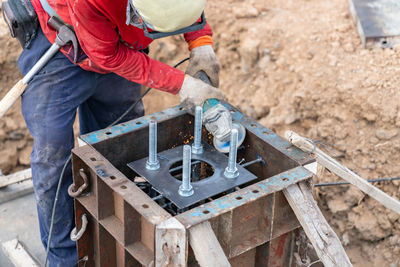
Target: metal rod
[
  {"x": 157, "y": 197},
  {"x": 231, "y": 171},
  {"x": 180, "y": 167},
  {"x": 347, "y": 183},
  {"x": 197, "y": 147},
  {"x": 152, "y": 163},
  {"x": 246, "y": 164},
  {"x": 186, "y": 189},
  {"x": 153, "y": 142},
  {"x": 233, "y": 151}
]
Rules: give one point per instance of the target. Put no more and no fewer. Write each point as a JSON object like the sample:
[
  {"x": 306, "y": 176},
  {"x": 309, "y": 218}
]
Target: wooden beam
[
  {"x": 15, "y": 178},
  {"x": 171, "y": 244},
  {"x": 17, "y": 254},
  {"x": 343, "y": 172},
  {"x": 325, "y": 241},
  {"x": 15, "y": 191},
  {"x": 205, "y": 245}
]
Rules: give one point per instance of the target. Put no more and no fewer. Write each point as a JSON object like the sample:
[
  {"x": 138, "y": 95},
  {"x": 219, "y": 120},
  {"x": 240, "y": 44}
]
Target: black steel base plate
[{"x": 168, "y": 186}]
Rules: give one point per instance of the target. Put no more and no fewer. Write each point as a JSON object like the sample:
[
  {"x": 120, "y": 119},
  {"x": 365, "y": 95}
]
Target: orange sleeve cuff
[{"x": 201, "y": 41}]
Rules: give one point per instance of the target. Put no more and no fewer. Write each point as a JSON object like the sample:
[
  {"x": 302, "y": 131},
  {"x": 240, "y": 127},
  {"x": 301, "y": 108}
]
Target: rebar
[
  {"x": 197, "y": 147},
  {"x": 257, "y": 160},
  {"x": 231, "y": 171},
  {"x": 158, "y": 197},
  {"x": 180, "y": 167},
  {"x": 186, "y": 189},
  {"x": 152, "y": 163}
]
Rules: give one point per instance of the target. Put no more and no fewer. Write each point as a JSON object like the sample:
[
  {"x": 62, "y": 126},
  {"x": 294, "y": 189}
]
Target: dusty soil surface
[
  {"x": 15, "y": 140},
  {"x": 295, "y": 65}
]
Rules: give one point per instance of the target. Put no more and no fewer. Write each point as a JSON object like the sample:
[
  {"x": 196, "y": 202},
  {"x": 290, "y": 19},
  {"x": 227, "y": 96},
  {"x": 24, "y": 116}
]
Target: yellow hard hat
[{"x": 169, "y": 15}]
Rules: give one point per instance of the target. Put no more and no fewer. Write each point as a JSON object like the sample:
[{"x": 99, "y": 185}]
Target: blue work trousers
[{"x": 49, "y": 107}]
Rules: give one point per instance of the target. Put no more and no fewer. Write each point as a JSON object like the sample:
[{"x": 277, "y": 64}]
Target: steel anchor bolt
[
  {"x": 231, "y": 171},
  {"x": 197, "y": 147},
  {"x": 186, "y": 189},
  {"x": 152, "y": 163}
]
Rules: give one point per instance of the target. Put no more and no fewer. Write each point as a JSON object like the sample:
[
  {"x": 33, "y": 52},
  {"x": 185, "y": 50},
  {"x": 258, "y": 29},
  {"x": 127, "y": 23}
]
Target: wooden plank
[
  {"x": 206, "y": 248},
  {"x": 343, "y": 172},
  {"x": 170, "y": 244},
  {"x": 15, "y": 177},
  {"x": 18, "y": 255},
  {"x": 15, "y": 191},
  {"x": 324, "y": 239}
]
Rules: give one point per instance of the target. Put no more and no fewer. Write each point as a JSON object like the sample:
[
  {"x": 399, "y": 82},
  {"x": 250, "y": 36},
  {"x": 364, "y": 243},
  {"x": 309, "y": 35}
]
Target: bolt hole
[
  {"x": 123, "y": 186},
  {"x": 123, "y": 124},
  {"x": 112, "y": 177},
  {"x": 232, "y": 111},
  {"x": 285, "y": 179},
  {"x": 239, "y": 198},
  {"x": 254, "y": 125},
  {"x": 206, "y": 212},
  {"x": 92, "y": 159},
  {"x": 255, "y": 191},
  {"x": 108, "y": 133},
  {"x": 145, "y": 206},
  {"x": 200, "y": 170},
  {"x": 138, "y": 122},
  {"x": 181, "y": 108},
  {"x": 266, "y": 133}
]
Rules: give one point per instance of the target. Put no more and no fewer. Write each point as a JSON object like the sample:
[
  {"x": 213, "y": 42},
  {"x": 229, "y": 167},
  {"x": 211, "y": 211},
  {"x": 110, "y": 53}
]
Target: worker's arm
[
  {"x": 200, "y": 37},
  {"x": 100, "y": 41},
  {"x": 202, "y": 56}
]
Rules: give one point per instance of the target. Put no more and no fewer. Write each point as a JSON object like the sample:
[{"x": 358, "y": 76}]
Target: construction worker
[{"x": 107, "y": 79}]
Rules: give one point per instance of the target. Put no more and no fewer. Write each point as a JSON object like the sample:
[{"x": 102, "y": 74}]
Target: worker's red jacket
[{"x": 109, "y": 45}]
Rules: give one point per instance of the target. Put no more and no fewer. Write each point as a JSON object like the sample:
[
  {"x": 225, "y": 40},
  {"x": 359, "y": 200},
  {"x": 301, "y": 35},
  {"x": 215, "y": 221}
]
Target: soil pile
[
  {"x": 15, "y": 140},
  {"x": 300, "y": 65}
]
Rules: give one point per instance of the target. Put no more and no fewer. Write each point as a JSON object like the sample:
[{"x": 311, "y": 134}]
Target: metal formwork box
[{"x": 254, "y": 225}]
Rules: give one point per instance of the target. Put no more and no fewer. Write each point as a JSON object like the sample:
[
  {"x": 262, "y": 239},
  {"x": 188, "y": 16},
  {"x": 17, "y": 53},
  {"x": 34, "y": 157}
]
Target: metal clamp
[
  {"x": 76, "y": 193},
  {"x": 76, "y": 236}
]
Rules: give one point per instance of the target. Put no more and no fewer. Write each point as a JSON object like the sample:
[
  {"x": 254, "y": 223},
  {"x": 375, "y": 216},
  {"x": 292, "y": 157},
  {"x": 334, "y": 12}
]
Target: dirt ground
[{"x": 295, "y": 65}]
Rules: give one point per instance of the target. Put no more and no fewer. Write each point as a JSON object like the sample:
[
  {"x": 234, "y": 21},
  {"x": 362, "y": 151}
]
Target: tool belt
[{"x": 21, "y": 19}]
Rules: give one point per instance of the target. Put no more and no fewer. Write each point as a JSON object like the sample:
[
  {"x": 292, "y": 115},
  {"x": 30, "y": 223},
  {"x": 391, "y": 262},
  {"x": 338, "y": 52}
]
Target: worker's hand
[
  {"x": 194, "y": 92},
  {"x": 203, "y": 58}
]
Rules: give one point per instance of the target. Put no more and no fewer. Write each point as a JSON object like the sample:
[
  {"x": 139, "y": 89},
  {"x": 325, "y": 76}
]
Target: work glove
[
  {"x": 203, "y": 58},
  {"x": 194, "y": 92}
]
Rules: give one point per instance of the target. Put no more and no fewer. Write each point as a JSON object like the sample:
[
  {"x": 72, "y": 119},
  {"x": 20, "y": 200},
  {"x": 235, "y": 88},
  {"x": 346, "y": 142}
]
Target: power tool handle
[{"x": 202, "y": 75}]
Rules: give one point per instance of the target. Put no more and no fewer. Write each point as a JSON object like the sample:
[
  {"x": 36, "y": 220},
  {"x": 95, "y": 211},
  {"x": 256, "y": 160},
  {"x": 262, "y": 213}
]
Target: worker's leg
[
  {"x": 49, "y": 108},
  {"x": 112, "y": 97}
]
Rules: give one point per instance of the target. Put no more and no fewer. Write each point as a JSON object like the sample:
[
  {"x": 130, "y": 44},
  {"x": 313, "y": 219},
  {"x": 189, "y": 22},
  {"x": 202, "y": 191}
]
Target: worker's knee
[{"x": 47, "y": 163}]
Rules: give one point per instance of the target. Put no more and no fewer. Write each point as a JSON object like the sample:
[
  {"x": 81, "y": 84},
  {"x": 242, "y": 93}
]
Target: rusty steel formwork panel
[{"x": 254, "y": 225}]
